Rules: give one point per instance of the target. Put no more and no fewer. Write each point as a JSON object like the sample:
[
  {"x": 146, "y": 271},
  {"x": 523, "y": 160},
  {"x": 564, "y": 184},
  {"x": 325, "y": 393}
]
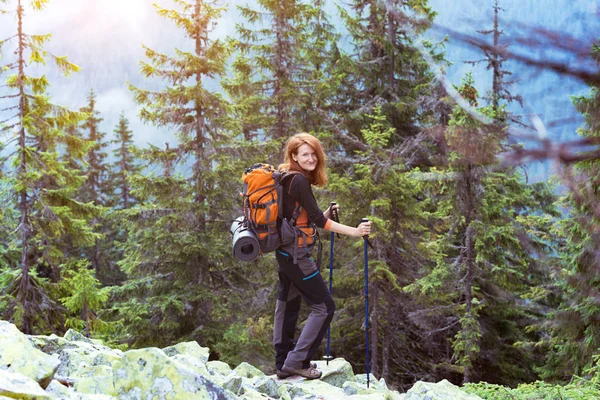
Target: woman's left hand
[{"x": 335, "y": 209}]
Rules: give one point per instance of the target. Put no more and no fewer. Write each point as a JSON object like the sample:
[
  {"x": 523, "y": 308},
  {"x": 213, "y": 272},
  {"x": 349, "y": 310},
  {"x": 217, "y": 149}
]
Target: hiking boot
[
  {"x": 283, "y": 374},
  {"x": 308, "y": 373}
]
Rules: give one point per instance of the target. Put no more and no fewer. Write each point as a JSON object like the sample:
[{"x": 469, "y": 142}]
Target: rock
[
  {"x": 18, "y": 355},
  {"x": 50, "y": 344},
  {"x": 97, "y": 379},
  {"x": 85, "y": 363},
  {"x": 246, "y": 370},
  {"x": 218, "y": 367},
  {"x": 73, "y": 336},
  {"x": 193, "y": 363},
  {"x": 58, "y": 389},
  {"x": 191, "y": 349},
  {"x": 284, "y": 393},
  {"x": 337, "y": 372},
  {"x": 253, "y": 396},
  {"x": 82, "y": 358},
  {"x": 442, "y": 390},
  {"x": 267, "y": 386},
  {"x": 89, "y": 370},
  {"x": 319, "y": 388},
  {"x": 150, "y": 373},
  {"x": 17, "y": 386},
  {"x": 351, "y": 388},
  {"x": 233, "y": 384}
]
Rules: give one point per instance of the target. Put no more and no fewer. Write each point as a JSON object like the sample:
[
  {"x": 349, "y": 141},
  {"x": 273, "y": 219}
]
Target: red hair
[{"x": 316, "y": 177}]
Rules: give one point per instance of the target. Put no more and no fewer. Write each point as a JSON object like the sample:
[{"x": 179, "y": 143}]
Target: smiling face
[{"x": 306, "y": 157}]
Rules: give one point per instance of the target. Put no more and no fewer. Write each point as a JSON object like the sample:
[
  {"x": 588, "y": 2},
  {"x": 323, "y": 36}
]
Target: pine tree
[
  {"x": 490, "y": 224},
  {"x": 182, "y": 281},
  {"x": 574, "y": 330},
  {"x": 495, "y": 59},
  {"x": 125, "y": 164},
  {"x": 270, "y": 68},
  {"x": 43, "y": 185},
  {"x": 96, "y": 188},
  {"x": 84, "y": 299},
  {"x": 385, "y": 67},
  {"x": 198, "y": 115}
]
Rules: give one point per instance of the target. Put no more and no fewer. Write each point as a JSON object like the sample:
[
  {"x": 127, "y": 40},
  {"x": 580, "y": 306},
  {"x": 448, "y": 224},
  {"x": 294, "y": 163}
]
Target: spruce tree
[
  {"x": 385, "y": 67},
  {"x": 96, "y": 187},
  {"x": 124, "y": 165},
  {"x": 198, "y": 115},
  {"x": 495, "y": 59},
  {"x": 270, "y": 68},
  {"x": 182, "y": 281},
  {"x": 43, "y": 186},
  {"x": 574, "y": 330},
  {"x": 490, "y": 226}
]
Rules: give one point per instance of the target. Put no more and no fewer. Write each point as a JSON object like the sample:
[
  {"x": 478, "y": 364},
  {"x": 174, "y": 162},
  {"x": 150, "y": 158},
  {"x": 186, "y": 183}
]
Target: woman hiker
[{"x": 299, "y": 276}]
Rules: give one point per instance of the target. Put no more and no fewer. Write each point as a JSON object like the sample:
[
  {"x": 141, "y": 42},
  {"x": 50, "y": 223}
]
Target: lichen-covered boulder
[
  {"x": 267, "y": 386},
  {"x": 76, "y": 361},
  {"x": 218, "y": 367},
  {"x": 58, "y": 389},
  {"x": 50, "y": 344},
  {"x": 442, "y": 390},
  {"x": 150, "y": 373},
  {"x": 63, "y": 393},
  {"x": 246, "y": 370},
  {"x": 190, "y": 349},
  {"x": 96, "y": 379},
  {"x": 284, "y": 393},
  {"x": 17, "y": 386},
  {"x": 317, "y": 387},
  {"x": 233, "y": 383},
  {"x": 337, "y": 372},
  {"x": 74, "y": 336},
  {"x": 351, "y": 388},
  {"x": 193, "y": 363},
  {"x": 18, "y": 355}
]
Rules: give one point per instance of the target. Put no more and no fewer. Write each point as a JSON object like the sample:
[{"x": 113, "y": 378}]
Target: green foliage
[
  {"x": 538, "y": 390},
  {"x": 84, "y": 298},
  {"x": 574, "y": 330},
  {"x": 246, "y": 341},
  {"x": 488, "y": 224},
  {"x": 44, "y": 180}
]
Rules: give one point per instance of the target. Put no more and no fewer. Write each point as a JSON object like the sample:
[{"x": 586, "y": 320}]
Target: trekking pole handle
[
  {"x": 334, "y": 213},
  {"x": 366, "y": 237}
]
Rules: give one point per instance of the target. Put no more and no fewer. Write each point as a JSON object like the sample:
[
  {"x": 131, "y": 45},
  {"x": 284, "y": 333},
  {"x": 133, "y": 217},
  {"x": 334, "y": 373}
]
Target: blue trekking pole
[
  {"x": 335, "y": 217},
  {"x": 366, "y": 242}
]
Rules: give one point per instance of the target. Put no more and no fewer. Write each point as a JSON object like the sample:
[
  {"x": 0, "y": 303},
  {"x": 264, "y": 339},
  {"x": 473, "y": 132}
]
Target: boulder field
[{"x": 75, "y": 367}]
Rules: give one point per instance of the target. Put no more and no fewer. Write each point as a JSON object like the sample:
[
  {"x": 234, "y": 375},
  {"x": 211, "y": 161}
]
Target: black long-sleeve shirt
[{"x": 297, "y": 188}]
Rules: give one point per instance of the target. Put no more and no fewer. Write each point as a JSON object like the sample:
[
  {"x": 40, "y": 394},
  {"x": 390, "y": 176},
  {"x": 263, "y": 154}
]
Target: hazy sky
[{"x": 105, "y": 38}]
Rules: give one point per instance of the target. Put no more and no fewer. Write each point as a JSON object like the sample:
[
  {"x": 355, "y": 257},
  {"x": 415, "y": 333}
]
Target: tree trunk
[
  {"x": 24, "y": 288},
  {"x": 200, "y": 137},
  {"x": 497, "y": 77},
  {"x": 470, "y": 251},
  {"x": 386, "y": 352},
  {"x": 374, "y": 331},
  {"x": 392, "y": 39}
]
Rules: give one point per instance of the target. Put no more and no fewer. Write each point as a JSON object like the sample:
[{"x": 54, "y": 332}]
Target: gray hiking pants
[{"x": 297, "y": 281}]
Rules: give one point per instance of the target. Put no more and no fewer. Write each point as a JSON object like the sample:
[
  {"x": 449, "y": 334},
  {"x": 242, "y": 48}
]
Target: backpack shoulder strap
[{"x": 298, "y": 209}]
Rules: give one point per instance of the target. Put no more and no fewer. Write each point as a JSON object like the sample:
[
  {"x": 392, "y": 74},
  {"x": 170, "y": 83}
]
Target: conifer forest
[{"x": 477, "y": 272}]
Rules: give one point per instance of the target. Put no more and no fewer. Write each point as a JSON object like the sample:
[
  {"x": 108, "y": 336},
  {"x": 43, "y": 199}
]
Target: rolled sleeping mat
[{"x": 245, "y": 244}]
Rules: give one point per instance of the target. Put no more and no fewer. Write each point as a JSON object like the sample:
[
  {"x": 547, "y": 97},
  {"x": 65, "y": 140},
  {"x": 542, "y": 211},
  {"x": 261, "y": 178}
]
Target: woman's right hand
[{"x": 363, "y": 229}]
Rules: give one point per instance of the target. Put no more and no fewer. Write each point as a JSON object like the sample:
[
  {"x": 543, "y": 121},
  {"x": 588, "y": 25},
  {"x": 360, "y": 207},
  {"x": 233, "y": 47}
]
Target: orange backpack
[{"x": 263, "y": 195}]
